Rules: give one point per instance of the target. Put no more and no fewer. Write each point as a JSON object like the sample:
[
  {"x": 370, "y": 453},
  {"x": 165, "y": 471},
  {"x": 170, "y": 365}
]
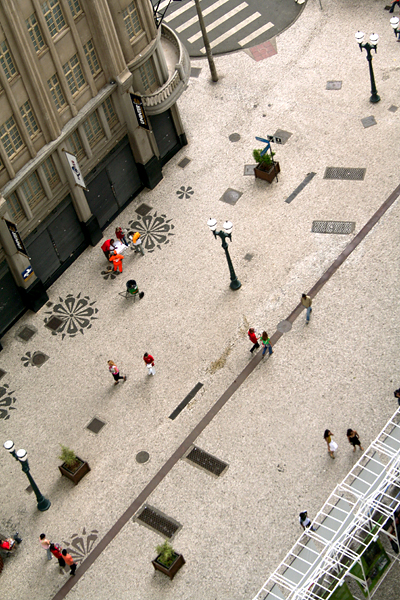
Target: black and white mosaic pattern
[
  {"x": 184, "y": 192},
  {"x": 80, "y": 545},
  {"x": 109, "y": 273},
  {"x": 7, "y": 402},
  {"x": 154, "y": 230},
  {"x": 76, "y": 312},
  {"x": 37, "y": 359}
]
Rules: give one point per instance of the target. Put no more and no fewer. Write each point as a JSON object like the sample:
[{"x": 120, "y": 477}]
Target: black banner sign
[
  {"x": 12, "y": 228},
  {"x": 139, "y": 111}
]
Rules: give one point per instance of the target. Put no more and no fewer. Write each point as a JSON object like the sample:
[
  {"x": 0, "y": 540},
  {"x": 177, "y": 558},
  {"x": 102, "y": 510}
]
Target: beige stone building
[{"x": 67, "y": 68}]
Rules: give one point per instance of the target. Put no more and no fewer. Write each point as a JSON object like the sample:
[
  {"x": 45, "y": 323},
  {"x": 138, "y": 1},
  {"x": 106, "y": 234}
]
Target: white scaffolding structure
[{"x": 357, "y": 513}]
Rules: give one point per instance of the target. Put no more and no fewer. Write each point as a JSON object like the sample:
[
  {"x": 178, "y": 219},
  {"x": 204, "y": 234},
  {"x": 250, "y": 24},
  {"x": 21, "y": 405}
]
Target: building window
[
  {"x": 35, "y": 33},
  {"x": 56, "y": 91},
  {"x": 131, "y": 20},
  {"x": 54, "y": 16},
  {"x": 93, "y": 129},
  {"x": 6, "y": 61},
  {"x": 50, "y": 172},
  {"x": 15, "y": 208},
  {"x": 33, "y": 190},
  {"x": 29, "y": 119},
  {"x": 147, "y": 75},
  {"x": 110, "y": 113},
  {"x": 10, "y": 137},
  {"x": 73, "y": 74},
  {"x": 91, "y": 57},
  {"x": 76, "y": 145},
  {"x": 75, "y": 7}
]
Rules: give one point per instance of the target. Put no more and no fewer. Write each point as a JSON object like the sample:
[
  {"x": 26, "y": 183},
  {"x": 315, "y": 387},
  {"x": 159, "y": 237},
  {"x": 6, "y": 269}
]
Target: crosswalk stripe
[
  {"x": 232, "y": 31},
  {"x": 178, "y": 12},
  {"x": 255, "y": 34},
  {"x": 163, "y": 4},
  {"x": 219, "y": 21},
  {"x": 206, "y": 12}
]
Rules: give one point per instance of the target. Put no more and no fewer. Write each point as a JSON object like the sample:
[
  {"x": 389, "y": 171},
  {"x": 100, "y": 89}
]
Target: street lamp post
[
  {"x": 394, "y": 21},
  {"x": 212, "y": 223},
  {"x": 371, "y": 45},
  {"x": 211, "y": 64},
  {"x": 22, "y": 457}
]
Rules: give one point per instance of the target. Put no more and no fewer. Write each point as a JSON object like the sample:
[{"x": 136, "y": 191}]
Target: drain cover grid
[
  {"x": 54, "y": 323},
  {"x": 207, "y": 461},
  {"x": 143, "y": 209},
  {"x": 26, "y": 333},
  {"x": 333, "y": 227},
  {"x": 344, "y": 173},
  {"x": 156, "y": 520},
  {"x": 95, "y": 425}
]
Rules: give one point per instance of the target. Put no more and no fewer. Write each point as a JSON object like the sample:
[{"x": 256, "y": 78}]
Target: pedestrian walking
[
  {"x": 332, "y": 446},
  {"x": 397, "y": 395},
  {"x": 306, "y": 302},
  {"x": 354, "y": 440},
  {"x": 70, "y": 562},
  {"x": 56, "y": 551},
  {"x": 305, "y": 521},
  {"x": 149, "y": 360},
  {"x": 264, "y": 339},
  {"x": 108, "y": 248},
  {"x": 112, "y": 367},
  {"x": 120, "y": 235},
  {"x": 116, "y": 259},
  {"x": 45, "y": 543},
  {"x": 253, "y": 338},
  {"x": 394, "y": 2}
]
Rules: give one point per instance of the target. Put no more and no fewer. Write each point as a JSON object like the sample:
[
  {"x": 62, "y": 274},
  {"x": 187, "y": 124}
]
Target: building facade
[{"x": 67, "y": 68}]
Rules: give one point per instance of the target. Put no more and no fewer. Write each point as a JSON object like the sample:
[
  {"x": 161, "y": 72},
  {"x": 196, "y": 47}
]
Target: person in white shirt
[{"x": 304, "y": 521}]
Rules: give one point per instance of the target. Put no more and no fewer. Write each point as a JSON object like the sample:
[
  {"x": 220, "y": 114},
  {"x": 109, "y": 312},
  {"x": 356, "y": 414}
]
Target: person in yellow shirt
[{"x": 306, "y": 302}]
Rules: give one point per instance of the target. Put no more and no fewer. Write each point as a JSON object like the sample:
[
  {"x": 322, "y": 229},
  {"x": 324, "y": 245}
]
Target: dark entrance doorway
[
  {"x": 11, "y": 305},
  {"x": 165, "y": 133}
]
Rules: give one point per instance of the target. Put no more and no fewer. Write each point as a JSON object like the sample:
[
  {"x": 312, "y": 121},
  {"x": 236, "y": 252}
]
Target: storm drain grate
[
  {"x": 344, "y": 173},
  {"x": 333, "y": 227},
  {"x": 26, "y": 333},
  {"x": 95, "y": 425},
  {"x": 54, "y": 323},
  {"x": 143, "y": 209},
  {"x": 207, "y": 461},
  {"x": 156, "y": 520}
]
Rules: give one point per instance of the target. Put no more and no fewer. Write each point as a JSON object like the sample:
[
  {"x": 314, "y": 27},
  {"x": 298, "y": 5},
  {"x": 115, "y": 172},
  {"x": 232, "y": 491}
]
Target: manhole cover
[
  {"x": 344, "y": 173},
  {"x": 142, "y": 457},
  {"x": 207, "y": 461},
  {"x": 249, "y": 169},
  {"x": 195, "y": 72},
  {"x": 231, "y": 196},
  {"x": 284, "y": 326},
  {"x": 234, "y": 137},
  {"x": 368, "y": 121},
  {"x": 248, "y": 256},
  {"x": 143, "y": 209},
  {"x": 2, "y": 373},
  {"x": 184, "y": 162},
  {"x": 344, "y": 227},
  {"x": 156, "y": 520},
  {"x": 333, "y": 85},
  {"x": 54, "y": 323},
  {"x": 38, "y": 359},
  {"x": 95, "y": 425},
  {"x": 26, "y": 333},
  {"x": 393, "y": 108}
]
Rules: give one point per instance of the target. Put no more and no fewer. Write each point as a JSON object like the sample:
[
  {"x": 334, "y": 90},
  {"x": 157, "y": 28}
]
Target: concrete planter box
[
  {"x": 173, "y": 569},
  {"x": 267, "y": 172},
  {"x": 76, "y": 474}
]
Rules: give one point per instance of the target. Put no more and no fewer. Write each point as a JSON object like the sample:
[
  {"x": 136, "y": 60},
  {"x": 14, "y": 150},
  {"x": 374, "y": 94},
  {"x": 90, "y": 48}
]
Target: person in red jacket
[
  {"x": 108, "y": 247},
  {"x": 56, "y": 551},
  {"x": 117, "y": 259},
  {"x": 149, "y": 360},
  {"x": 120, "y": 235},
  {"x": 253, "y": 338}
]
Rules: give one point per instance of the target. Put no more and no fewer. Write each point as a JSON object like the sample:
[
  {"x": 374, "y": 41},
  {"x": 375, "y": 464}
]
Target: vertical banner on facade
[
  {"x": 139, "y": 111},
  {"x": 12, "y": 228},
  {"x": 76, "y": 172}
]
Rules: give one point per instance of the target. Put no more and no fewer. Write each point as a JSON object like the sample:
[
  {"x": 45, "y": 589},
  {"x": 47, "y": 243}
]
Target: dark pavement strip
[{"x": 214, "y": 410}]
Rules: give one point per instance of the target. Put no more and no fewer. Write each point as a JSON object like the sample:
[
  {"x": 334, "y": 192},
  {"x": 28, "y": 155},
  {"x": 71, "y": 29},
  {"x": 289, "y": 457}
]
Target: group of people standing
[
  {"x": 110, "y": 249},
  {"x": 64, "y": 559},
  {"x": 352, "y": 437}
]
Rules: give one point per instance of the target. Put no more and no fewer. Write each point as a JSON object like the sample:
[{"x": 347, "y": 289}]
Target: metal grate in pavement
[
  {"x": 54, "y": 323},
  {"x": 234, "y": 137},
  {"x": 143, "y": 209},
  {"x": 333, "y": 85},
  {"x": 344, "y": 173},
  {"x": 368, "y": 122},
  {"x": 183, "y": 163},
  {"x": 231, "y": 196},
  {"x": 95, "y": 425},
  {"x": 158, "y": 521},
  {"x": 39, "y": 358},
  {"x": 206, "y": 461},
  {"x": 333, "y": 227},
  {"x": 26, "y": 333}
]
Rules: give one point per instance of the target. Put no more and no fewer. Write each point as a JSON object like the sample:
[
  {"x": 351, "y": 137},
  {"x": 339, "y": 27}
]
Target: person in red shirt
[
  {"x": 149, "y": 360},
  {"x": 56, "y": 551},
  {"x": 253, "y": 338},
  {"x": 117, "y": 259},
  {"x": 108, "y": 247},
  {"x": 120, "y": 235},
  {"x": 70, "y": 562},
  {"x": 9, "y": 543}
]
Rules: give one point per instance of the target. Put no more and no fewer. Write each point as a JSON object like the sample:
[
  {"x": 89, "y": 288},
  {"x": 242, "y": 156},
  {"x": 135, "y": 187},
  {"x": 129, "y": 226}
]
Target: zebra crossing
[{"x": 231, "y": 24}]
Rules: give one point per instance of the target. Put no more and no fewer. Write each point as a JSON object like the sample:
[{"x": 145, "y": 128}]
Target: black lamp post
[
  {"x": 212, "y": 223},
  {"x": 22, "y": 457},
  {"x": 371, "y": 45},
  {"x": 394, "y": 21}
]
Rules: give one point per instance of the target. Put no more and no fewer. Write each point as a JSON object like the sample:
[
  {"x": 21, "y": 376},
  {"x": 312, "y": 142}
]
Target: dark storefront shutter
[
  {"x": 66, "y": 232},
  {"x": 165, "y": 134},
  {"x": 44, "y": 259},
  {"x": 124, "y": 176},
  {"x": 101, "y": 199},
  {"x": 11, "y": 305}
]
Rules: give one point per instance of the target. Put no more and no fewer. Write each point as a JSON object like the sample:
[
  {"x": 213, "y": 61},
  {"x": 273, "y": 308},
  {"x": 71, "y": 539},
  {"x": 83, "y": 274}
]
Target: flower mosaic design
[
  {"x": 80, "y": 545},
  {"x": 185, "y": 192},
  {"x": 109, "y": 273},
  {"x": 6, "y": 402},
  {"x": 76, "y": 312},
  {"x": 37, "y": 359},
  {"x": 154, "y": 230}
]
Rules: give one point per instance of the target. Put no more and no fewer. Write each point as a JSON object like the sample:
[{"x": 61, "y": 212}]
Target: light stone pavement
[{"x": 338, "y": 372}]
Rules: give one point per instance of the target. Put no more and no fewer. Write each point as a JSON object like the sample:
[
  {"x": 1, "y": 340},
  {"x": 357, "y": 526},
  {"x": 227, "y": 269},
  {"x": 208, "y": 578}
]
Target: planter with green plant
[
  {"x": 267, "y": 168},
  {"x": 168, "y": 561},
  {"x": 73, "y": 467}
]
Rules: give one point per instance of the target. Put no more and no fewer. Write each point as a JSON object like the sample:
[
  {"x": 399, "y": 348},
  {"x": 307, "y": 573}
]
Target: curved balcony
[{"x": 178, "y": 63}]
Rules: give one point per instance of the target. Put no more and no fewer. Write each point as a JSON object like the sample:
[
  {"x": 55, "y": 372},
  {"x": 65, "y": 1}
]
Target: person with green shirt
[{"x": 264, "y": 339}]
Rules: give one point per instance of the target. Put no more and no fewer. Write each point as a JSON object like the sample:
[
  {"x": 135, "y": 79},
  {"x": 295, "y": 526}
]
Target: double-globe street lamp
[
  {"x": 371, "y": 45},
  {"x": 212, "y": 223},
  {"x": 22, "y": 457}
]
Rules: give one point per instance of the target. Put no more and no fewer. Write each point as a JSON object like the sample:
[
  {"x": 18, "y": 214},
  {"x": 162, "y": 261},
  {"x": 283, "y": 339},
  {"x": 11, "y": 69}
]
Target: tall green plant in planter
[
  {"x": 266, "y": 167},
  {"x": 168, "y": 561},
  {"x": 73, "y": 467}
]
